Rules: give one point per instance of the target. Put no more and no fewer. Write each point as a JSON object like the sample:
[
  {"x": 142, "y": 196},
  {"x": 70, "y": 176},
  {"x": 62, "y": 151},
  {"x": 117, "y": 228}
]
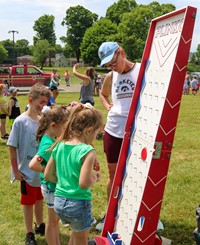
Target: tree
[
  {"x": 22, "y": 48},
  {"x": 78, "y": 20},
  {"x": 44, "y": 28},
  {"x": 58, "y": 49},
  {"x": 41, "y": 52},
  {"x": 102, "y": 30},
  {"x": 115, "y": 11},
  {"x": 3, "y": 53},
  {"x": 134, "y": 27},
  {"x": 8, "y": 45}
]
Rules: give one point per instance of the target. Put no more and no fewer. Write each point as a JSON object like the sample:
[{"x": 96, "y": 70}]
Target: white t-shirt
[
  {"x": 23, "y": 137},
  {"x": 122, "y": 90}
]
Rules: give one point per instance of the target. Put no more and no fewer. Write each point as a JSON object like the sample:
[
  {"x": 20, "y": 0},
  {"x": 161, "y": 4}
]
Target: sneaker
[
  {"x": 160, "y": 226},
  {"x": 40, "y": 229},
  {"x": 100, "y": 225},
  {"x": 30, "y": 239},
  {"x": 5, "y": 137}
]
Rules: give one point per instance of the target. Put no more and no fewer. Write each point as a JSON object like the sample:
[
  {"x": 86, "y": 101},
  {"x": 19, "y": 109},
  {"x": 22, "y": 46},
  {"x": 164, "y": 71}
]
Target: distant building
[
  {"x": 58, "y": 61},
  {"x": 62, "y": 61},
  {"x": 26, "y": 59}
]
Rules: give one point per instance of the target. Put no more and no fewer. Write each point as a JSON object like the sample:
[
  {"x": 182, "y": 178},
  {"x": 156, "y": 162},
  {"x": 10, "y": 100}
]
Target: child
[
  {"x": 3, "y": 112},
  {"x": 55, "y": 82},
  {"x": 23, "y": 147},
  {"x": 13, "y": 108},
  {"x": 67, "y": 76},
  {"x": 51, "y": 126},
  {"x": 71, "y": 165},
  {"x": 194, "y": 85}
]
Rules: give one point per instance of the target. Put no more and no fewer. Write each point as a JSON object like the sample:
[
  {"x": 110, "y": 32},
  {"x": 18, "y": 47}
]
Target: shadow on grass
[
  {"x": 178, "y": 233},
  {"x": 64, "y": 238}
]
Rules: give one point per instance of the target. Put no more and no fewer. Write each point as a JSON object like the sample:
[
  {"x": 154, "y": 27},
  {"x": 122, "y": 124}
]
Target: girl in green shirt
[
  {"x": 71, "y": 167},
  {"x": 51, "y": 126}
]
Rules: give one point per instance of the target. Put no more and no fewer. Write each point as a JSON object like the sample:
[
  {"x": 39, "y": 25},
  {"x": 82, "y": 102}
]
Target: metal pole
[{"x": 13, "y": 51}]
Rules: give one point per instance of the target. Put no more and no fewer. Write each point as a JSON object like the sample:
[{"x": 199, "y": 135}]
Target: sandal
[{"x": 5, "y": 137}]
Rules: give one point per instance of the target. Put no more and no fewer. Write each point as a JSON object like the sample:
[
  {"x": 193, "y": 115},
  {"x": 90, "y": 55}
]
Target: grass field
[{"x": 181, "y": 194}]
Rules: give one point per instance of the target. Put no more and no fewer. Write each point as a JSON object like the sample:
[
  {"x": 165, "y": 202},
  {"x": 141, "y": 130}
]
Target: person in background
[
  {"x": 67, "y": 76},
  {"x": 195, "y": 85},
  {"x": 116, "y": 94},
  {"x": 71, "y": 167},
  {"x": 23, "y": 147},
  {"x": 51, "y": 126},
  {"x": 13, "y": 108},
  {"x": 187, "y": 78},
  {"x": 51, "y": 101},
  {"x": 3, "y": 112},
  {"x": 86, "y": 93},
  {"x": 7, "y": 86},
  {"x": 54, "y": 83}
]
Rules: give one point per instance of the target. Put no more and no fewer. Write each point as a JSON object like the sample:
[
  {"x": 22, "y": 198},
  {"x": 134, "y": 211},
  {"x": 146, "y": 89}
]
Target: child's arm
[
  {"x": 13, "y": 159},
  {"x": 35, "y": 164},
  {"x": 50, "y": 171},
  {"x": 10, "y": 106},
  {"x": 87, "y": 176}
]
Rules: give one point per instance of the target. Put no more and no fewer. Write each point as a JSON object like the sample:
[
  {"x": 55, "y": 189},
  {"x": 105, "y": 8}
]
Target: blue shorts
[
  {"x": 48, "y": 196},
  {"x": 76, "y": 213}
]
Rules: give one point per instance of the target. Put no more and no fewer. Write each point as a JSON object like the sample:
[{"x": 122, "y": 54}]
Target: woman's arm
[
  {"x": 88, "y": 177},
  {"x": 50, "y": 171},
  {"x": 35, "y": 164},
  {"x": 86, "y": 79},
  {"x": 105, "y": 92}
]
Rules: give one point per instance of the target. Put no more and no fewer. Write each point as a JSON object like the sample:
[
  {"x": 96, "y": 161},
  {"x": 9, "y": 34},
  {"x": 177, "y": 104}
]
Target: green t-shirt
[
  {"x": 45, "y": 144},
  {"x": 69, "y": 161}
]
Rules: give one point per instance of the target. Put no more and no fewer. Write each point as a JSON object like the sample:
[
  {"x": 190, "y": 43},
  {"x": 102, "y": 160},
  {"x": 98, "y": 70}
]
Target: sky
[{"x": 20, "y": 15}]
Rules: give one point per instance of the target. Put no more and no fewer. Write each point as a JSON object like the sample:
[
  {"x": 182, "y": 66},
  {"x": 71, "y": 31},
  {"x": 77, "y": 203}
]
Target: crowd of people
[
  {"x": 51, "y": 146},
  {"x": 191, "y": 84}
]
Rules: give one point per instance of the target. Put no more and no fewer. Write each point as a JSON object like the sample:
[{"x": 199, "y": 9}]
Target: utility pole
[{"x": 13, "y": 51}]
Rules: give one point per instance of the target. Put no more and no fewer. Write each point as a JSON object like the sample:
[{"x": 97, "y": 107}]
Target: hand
[
  {"x": 109, "y": 107},
  {"x": 77, "y": 65},
  {"x": 19, "y": 176},
  {"x": 96, "y": 165}
]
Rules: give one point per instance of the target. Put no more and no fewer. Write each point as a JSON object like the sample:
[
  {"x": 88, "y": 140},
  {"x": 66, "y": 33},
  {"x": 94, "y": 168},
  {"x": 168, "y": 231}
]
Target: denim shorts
[
  {"x": 76, "y": 213},
  {"x": 48, "y": 196}
]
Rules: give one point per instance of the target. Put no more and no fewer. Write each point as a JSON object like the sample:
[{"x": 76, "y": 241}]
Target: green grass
[{"x": 181, "y": 193}]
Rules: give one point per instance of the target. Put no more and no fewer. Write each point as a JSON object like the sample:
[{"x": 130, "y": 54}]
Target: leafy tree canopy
[
  {"x": 41, "y": 52},
  {"x": 134, "y": 26},
  {"x": 3, "y": 53},
  {"x": 115, "y": 11},
  {"x": 78, "y": 20},
  {"x": 44, "y": 28},
  {"x": 101, "y": 31}
]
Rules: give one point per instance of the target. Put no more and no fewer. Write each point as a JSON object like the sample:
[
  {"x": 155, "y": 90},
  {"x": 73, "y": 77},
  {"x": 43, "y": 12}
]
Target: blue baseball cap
[{"x": 107, "y": 51}]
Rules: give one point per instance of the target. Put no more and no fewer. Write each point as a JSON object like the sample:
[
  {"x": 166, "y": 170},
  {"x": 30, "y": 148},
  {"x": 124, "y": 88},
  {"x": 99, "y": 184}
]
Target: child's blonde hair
[
  {"x": 58, "y": 115},
  {"x": 2, "y": 86},
  {"x": 80, "y": 119}
]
